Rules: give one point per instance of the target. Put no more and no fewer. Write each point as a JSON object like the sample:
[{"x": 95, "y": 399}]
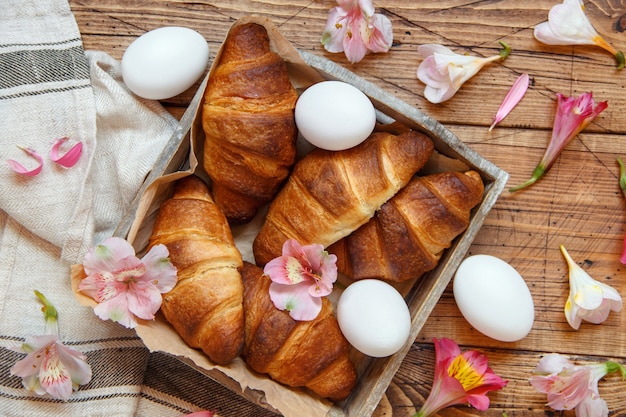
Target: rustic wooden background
[{"x": 577, "y": 204}]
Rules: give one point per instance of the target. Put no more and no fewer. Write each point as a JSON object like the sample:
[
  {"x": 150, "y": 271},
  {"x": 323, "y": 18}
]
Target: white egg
[
  {"x": 334, "y": 115},
  {"x": 164, "y": 62},
  {"x": 494, "y": 298},
  {"x": 374, "y": 317}
]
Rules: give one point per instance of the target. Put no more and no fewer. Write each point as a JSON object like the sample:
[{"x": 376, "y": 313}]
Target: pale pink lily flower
[
  {"x": 51, "y": 367},
  {"x": 70, "y": 158},
  {"x": 124, "y": 286},
  {"x": 300, "y": 277},
  {"x": 572, "y": 116},
  {"x": 444, "y": 71},
  {"x": 515, "y": 94},
  {"x": 570, "y": 386},
  {"x": 460, "y": 378},
  {"x": 21, "y": 169},
  {"x": 588, "y": 300},
  {"x": 568, "y": 25},
  {"x": 353, "y": 27}
]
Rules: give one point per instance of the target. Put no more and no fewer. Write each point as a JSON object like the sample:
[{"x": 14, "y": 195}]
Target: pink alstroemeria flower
[
  {"x": 568, "y": 25},
  {"x": 588, "y": 300},
  {"x": 50, "y": 366},
  {"x": 300, "y": 277},
  {"x": 353, "y": 27},
  {"x": 572, "y": 116},
  {"x": 460, "y": 378},
  {"x": 444, "y": 71},
  {"x": 124, "y": 286},
  {"x": 570, "y": 386}
]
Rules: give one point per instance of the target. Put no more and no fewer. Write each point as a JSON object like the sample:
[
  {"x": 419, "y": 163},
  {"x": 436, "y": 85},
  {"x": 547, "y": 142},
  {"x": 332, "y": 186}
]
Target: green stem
[
  {"x": 622, "y": 176},
  {"x": 614, "y": 367},
  {"x": 504, "y": 53},
  {"x": 619, "y": 57},
  {"x": 49, "y": 312},
  {"x": 537, "y": 173}
]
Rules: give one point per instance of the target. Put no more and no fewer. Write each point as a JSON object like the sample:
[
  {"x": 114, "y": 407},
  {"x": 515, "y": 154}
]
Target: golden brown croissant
[
  {"x": 331, "y": 194},
  {"x": 311, "y": 354},
  {"x": 408, "y": 234},
  {"x": 206, "y": 305},
  {"x": 248, "y": 120}
]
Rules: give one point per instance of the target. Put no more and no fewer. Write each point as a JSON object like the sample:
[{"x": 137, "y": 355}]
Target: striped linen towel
[{"x": 50, "y": 88}]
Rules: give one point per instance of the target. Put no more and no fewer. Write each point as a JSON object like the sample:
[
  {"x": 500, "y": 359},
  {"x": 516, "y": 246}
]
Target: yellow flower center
[{"x": 462, "y": 371}]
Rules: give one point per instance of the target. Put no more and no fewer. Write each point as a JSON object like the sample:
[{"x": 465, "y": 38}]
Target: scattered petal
[
  {"x": 517, "y": 92},
  {"x": 70, "y": 158},
  {"x": 20, "y": 169}
]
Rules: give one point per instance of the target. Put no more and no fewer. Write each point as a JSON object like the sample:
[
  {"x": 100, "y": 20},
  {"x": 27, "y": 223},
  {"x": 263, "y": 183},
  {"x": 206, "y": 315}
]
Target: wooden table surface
[{"x": 578, "y": 203}]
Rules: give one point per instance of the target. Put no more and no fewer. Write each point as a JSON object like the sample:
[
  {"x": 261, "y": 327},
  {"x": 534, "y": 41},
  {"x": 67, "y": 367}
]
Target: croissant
[
  {"x": 409, "y": 233},
  {"x": 331, "y": 194},
  {"x": 206, "y": 305},
  {"x": 249, "y": 125},
  {"x": 311, "y": 354}
]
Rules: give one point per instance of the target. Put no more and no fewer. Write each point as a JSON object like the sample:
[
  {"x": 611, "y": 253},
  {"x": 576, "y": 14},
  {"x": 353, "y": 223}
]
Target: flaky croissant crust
[
  {"x": 331, "y": 194},
  {"x": 311, "y": 354},
  {"x": 206, "y": 305},
  {"x": 250, "y": 132}
]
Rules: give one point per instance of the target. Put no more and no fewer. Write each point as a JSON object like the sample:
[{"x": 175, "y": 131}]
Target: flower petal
[
  {"x": 159, "y": 270},
  {"x": 108, "y": 255},
  {"x": 296, "y": 300},
  {"x": 70, "y": 158},
  {"x": 515, "y": 94},
  {"x": 20, "y": 169}
]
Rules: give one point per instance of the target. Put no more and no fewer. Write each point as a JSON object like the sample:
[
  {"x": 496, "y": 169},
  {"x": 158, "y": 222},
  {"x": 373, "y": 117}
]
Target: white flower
[
  {"x": 444, "y": 71},
  {"x": 588, "y": 300}
]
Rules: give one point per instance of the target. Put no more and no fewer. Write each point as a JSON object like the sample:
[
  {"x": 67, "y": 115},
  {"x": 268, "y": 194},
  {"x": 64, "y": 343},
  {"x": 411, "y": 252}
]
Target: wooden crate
[{"x": 421, "y": 296}]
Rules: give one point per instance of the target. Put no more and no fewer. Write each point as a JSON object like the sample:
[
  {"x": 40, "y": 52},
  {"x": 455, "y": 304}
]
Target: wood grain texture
[{"x": 577, "y": 204}]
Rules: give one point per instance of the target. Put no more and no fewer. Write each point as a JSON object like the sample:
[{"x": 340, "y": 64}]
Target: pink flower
[
  {"x": 572, "y": 116},
  {"x": 353, "y": 27},
  {"x": 124, "y": 286},
  {"x": 515, "y": 94},
  {"x": 301, "y": 276},
  {"x": 200, "y": 414},
  {"x": 569, "y": 386},
  {"x": 568, "y": 25},
  {"x": 588, "y": 300},
  {"x": 50, "y": 366},
  {"x": 460, "y": 378},
  {"x": 444, "y": 71}
]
